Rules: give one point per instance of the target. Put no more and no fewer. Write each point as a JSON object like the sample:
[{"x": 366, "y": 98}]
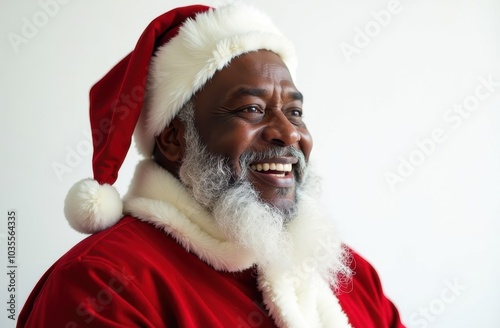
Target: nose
[{"x": 280, "y": 131}]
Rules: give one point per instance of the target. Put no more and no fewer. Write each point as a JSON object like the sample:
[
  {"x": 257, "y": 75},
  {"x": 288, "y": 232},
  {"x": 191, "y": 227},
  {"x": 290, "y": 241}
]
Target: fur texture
[
  {"x": 90, "y": 207},
  {"x": 157, "y": 197}
]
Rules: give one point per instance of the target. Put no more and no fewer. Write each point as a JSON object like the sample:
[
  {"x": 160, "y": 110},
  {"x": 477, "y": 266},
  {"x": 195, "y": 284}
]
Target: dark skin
[{"x": 247, "y": 106}]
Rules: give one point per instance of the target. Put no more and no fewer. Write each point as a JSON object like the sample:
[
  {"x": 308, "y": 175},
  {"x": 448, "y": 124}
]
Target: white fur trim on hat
[
  {"x": 203, "y": 46},
  {"x": 90, "y": 207}
]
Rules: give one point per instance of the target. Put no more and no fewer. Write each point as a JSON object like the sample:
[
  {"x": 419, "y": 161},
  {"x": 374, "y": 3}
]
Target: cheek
[
  {"x": 306, "y": 143},
  {"x": 231, "y": 140}
]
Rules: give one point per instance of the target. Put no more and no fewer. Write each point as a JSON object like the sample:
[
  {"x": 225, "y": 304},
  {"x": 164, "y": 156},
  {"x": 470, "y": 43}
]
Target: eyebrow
[{"x": 259, "y": 92}]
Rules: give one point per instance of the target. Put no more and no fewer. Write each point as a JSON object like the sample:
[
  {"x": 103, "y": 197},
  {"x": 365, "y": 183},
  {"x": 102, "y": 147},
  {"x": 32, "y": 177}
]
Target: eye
[
  {"x": 296, "y": 112},
  {"x": 253, "y": 112},
  {"x": 294, "y": 115},
  {"x": 252, "y": 109}
]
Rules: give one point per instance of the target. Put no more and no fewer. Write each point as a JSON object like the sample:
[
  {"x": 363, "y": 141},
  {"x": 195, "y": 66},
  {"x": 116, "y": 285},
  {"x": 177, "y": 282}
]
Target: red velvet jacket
[{"x": 134, "y": 275}]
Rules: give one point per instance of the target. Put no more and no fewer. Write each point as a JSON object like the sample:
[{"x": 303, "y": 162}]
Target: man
[{"x": 220, "y": 227}]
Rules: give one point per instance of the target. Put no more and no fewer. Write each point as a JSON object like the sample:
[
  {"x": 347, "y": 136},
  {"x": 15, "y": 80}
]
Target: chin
[{"x": 288, "y": 208}]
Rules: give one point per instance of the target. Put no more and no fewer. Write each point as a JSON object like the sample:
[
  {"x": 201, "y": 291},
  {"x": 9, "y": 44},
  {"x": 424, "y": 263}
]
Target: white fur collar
[
  {"x": 155, "y": 196},
  {"x": 301, "y": 298}
]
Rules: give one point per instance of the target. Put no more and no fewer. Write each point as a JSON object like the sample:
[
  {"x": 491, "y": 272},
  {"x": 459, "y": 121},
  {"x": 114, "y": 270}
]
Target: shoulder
[
  {"x": 363, "y": 278},
  {"x": 106, "y": 276},
  {"x": 131, "y": 251},
  {"x": 364, "y": 274},
  {"x": 362, "y": 296},
  {"x": 110, "y": 244}
]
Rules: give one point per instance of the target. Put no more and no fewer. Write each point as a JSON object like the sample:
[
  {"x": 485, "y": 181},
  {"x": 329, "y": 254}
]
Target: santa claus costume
[{"x": 157, "y": 259}]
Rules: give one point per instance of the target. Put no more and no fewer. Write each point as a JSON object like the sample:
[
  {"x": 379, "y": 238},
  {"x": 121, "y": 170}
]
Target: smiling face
[{"x": 248, "y": 107}]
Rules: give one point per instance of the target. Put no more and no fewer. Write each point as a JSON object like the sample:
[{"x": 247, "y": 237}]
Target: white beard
[{"x": 294, "y": 243}]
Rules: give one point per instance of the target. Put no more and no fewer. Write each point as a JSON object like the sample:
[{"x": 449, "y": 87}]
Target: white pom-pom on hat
[{"x": 90, "y": 207}]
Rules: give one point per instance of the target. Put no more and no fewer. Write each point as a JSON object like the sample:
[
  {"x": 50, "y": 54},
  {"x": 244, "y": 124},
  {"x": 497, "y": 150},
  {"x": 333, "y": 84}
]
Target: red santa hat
[{"x": 175, "y": 56}]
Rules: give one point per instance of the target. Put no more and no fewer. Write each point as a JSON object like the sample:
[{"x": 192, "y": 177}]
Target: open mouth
[{"x": 274, "y": 169}]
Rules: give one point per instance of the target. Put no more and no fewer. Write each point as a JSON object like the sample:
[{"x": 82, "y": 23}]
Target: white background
[{"x": 436, "y": 229}]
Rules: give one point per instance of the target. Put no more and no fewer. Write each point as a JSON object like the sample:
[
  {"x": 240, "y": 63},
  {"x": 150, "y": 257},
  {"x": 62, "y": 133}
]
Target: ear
[{"x": 171, "y": 143}]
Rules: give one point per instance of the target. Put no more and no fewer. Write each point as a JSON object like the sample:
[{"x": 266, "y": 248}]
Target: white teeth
[{"x": 272, "y": 167}]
